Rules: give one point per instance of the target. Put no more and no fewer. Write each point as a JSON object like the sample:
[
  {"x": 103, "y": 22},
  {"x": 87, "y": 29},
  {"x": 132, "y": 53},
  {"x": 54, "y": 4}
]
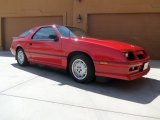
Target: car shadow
[{"x": 143, "y": 90}]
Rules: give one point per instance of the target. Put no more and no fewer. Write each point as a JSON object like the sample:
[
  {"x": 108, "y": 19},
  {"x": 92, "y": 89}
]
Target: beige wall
[
  {"x": 70, "y": 9},
  {"x": 33, "y": 8},
  {"x": 112, "y": 6}
]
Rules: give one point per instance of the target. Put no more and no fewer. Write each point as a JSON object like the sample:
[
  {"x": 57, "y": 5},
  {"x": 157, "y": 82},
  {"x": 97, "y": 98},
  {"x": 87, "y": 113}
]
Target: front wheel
[
  {"x": 81, "y": 69},
  {"x": 21, "y": 57}
]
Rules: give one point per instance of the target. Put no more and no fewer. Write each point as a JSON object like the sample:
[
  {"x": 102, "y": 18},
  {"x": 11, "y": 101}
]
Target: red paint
[{"x": 55, "y": 53}]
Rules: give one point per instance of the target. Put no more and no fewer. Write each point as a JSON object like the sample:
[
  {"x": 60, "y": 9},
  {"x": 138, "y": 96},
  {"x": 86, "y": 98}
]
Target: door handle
[{"x": 30, "y": 43}]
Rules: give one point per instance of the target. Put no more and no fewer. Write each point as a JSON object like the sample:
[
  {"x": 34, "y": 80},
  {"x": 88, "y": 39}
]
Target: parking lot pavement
[{"x": 40, "y": 93}]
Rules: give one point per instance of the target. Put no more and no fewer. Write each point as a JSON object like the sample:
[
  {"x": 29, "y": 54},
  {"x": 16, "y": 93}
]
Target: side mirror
[{"x": 54, "y": 37}]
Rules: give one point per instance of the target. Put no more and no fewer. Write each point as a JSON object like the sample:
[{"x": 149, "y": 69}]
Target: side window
[
  {"x": 44, "y": 33},
  {"x": 26, "y": 33}
]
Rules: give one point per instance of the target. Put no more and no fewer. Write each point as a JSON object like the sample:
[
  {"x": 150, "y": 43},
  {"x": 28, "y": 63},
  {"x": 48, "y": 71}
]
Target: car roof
[
  {"x": 46, "y": 25},
  {"x": 54, "y": 25}
]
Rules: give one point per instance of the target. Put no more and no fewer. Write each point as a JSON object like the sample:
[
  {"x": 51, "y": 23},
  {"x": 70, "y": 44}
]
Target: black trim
[
  {"x": 126, "y": 63},
  {"x": 110, "y": 62},
  {"x": 47, "y": 54}
]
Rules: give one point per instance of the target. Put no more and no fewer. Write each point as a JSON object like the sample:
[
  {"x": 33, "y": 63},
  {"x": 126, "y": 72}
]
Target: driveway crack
[
  {"x": 79, "y": 106},
  {"x": 17, "y": 85}
]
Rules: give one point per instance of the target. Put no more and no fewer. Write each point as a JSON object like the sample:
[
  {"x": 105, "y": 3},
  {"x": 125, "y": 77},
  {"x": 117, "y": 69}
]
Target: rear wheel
[
  {"x": 81, "y": 69},
  {"x": 21, "y": 57}
]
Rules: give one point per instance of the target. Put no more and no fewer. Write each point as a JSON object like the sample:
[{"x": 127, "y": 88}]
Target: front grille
[{"x": 134, "y": 68}]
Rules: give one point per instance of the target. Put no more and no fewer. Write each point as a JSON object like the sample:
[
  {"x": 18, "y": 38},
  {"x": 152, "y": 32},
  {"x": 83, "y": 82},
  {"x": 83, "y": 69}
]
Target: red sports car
[{"x": 69, "y": 48}]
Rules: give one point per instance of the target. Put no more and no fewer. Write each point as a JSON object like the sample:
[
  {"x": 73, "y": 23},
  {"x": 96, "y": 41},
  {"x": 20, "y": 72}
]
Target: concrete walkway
[{"x": 41, "y": 93}]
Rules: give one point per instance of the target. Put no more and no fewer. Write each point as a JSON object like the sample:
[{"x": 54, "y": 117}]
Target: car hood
[{"x": 115, "y": 44}]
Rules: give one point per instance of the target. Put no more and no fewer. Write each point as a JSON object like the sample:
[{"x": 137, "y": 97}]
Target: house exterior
[{"x": 133, "y": 21}]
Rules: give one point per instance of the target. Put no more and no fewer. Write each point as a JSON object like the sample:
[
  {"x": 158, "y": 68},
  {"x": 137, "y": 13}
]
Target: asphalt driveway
[{"x": 41, "y": 93}]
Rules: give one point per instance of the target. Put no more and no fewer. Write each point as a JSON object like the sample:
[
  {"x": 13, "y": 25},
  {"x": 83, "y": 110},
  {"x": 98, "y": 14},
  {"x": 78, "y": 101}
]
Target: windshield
[{"x": 71, "y": 32}]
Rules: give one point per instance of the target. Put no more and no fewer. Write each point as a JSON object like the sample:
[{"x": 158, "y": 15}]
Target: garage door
[
  {"x": 139, "y": 29},
  {"x": 14, "y": 26}
]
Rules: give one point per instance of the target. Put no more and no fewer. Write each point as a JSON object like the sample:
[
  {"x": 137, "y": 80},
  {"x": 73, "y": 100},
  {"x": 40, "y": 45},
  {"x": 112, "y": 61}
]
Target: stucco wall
[
  {"x": 112, "y": 6},
  {"x": 29, "y": 8},
  {"x": 70, "y": 9}
]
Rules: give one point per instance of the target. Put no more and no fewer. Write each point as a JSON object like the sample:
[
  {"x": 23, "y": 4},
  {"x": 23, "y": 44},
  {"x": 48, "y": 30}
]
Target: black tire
[
  {"x": 90, "y": 72},
  {"x": 24, "y": 62}
]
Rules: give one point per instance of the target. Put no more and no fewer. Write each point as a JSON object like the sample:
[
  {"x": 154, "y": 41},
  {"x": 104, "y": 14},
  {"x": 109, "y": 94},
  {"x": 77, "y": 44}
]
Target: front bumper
[{"x": 122, "y": 70}]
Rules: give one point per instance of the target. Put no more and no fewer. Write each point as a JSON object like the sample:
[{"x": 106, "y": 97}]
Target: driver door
[{"x": 44, "y": 48}]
